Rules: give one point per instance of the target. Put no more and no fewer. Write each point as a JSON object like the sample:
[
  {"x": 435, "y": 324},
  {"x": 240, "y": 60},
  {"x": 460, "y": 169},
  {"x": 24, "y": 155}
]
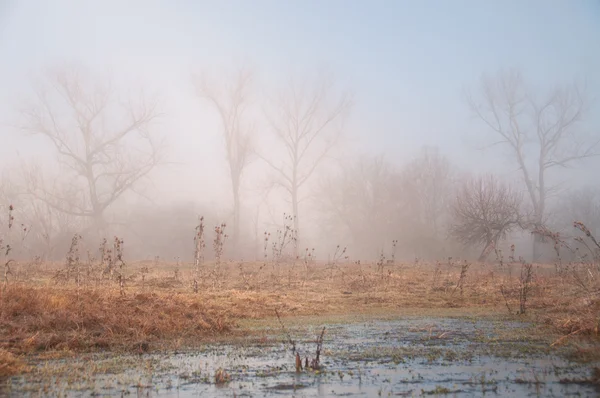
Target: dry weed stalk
[
  {"x": 6, "y": 248},
  {"x": 381, "y": 263},
  {"x": 587, "y": 278},
  {"x": 511, "y": 258},
  {"x": 221, "y": 376},
  {"x": 108, "y": 259},
  {"x": 463, "y": 276},
  {"x": 505, "y": 296},
  {"x": 314, "y": 363},
  {"x": 104, "y": 257},
  {"x": 285, "y": 236},
  {"x": 596, "y": 252},
  {"x": 198, "y": 252},
  {"x": 219, "y": 243},
  {"x": 118, "y": 259},
  {"x": 546, "y": 233},
  {"x": 90, "y": 267},
  {"x": 525, "y": 285},
  {"x": 245, "y": 275},
  {"x": 581, "y": 226},
  {"x": 333, "y": 264},
  {"x": 218, "y": 247},
  {"x": 339, "y": 254},
  {"x": 266, "y": 237},
  {"x": 499, "y": 256},
  {"x": 309, "y": 257},
  {"x": 523, "y": 289},
  {"x": 72, "y": 264},
  {"x": 437, "y": 273},
  {"x": 394, "y": 245}
]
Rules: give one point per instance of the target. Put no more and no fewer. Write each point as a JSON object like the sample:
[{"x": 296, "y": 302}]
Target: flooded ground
[{"x": 411, "y": 356}]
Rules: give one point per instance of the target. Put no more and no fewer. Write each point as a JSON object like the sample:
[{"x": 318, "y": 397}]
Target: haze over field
[{"x": 369, "y": 121}]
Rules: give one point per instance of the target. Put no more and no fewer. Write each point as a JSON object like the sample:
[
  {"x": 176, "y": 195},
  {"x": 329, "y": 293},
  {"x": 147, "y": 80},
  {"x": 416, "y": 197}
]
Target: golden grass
[
  {"x": 162, "y": 312},
  {"x": 50, "y": 318}
]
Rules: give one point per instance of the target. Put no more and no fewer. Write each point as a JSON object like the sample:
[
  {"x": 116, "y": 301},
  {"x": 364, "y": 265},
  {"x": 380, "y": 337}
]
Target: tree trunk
[
  {"x": 296, "y": 220},
  {"x": 538, "y": 239},
  {"x": 486, "y": 251},
  {"x": 99, "y": 226},
  {"x": 541, "y": 204},
  {"x": 236, "y": 221}
]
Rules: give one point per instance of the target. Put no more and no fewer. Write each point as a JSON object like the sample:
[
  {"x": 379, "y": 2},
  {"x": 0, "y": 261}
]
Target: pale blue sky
[{"x": 406, "y": 61}]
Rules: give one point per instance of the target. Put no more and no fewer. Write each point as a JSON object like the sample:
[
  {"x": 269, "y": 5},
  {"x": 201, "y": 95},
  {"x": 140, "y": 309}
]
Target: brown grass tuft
[
  {"x": 39, "y": 319},
  {"x": 10, "y": 364}
]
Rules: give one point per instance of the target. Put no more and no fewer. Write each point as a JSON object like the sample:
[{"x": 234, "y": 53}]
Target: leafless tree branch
[
  {"x": 304, "y": 122},
  {"x": 90, "y": 134}
]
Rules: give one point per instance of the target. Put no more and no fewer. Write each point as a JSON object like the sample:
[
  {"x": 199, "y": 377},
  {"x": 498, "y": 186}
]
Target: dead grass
[
  {"x": 11, "y": 364},
  {"x": 49, "y": 318},
  {"x": 162, "y": 312}
]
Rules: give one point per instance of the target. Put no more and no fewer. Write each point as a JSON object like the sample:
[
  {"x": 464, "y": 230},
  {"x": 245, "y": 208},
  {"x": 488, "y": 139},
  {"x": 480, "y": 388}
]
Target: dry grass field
[{"x": 152, "y": 306}]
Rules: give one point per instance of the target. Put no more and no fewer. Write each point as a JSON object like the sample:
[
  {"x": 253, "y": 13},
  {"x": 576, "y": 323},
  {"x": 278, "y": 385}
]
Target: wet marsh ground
[
  {"x": 393, "y": 355},
  {"x": 402, "y": 330}
]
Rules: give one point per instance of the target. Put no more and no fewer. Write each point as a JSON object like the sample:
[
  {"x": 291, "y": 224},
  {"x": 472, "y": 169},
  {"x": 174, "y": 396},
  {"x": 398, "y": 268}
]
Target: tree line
[{"x": 106, "y": 144}]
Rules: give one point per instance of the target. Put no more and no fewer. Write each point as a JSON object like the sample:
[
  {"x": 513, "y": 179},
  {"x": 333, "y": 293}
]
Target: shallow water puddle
[{"x": 407, "y": 357}]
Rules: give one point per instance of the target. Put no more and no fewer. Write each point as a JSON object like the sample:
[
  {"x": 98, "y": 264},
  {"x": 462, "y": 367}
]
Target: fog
[{"x": 369, "y": 123}]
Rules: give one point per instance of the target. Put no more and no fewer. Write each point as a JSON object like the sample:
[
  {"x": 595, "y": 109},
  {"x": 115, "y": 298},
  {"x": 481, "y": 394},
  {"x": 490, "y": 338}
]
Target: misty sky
[{"x": 406, "y": 62}]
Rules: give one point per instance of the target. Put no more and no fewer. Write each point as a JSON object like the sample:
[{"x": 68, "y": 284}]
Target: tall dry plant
[
  {"x": 73, "y": 263},
  {"x": 312, "y": 364},
  {"x": 308, "y": 258},
  {"x": 266, "y": 237},
  {"x": 219, "y": 243},
  {"x": 463, "y": 277},
  {"x": 118, "y": 260},
  {"x": 525, "y": 285},
  {"x": 6, "y": 248},
  {"x": 218, "y": 247},
  {"x": 108, "y": 259},
  {"x": 595, "y": 249},
  {"x": 90, "y": 267},
  {"x": 587, "y": 275},
  {"x": 198, "y": 252},
  {"x": 103, "y": 249},
  {"x": 333, "y": 263},
  {"x": 286, "y": 236}
]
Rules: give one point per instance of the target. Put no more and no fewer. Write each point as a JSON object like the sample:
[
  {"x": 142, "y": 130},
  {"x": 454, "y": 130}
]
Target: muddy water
[{"x": 405, "y": 357}]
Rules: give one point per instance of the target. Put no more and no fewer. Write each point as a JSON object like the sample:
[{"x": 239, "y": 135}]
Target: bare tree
[
  {"x": 428, "y": 188},
  {"x": 541, "y": 134},
  {"x": 231, "y": 102},
  {"x": 484, "y": 212},
  {"x": 369, "y": 203},
  {"x": 307, "y": 124},
  {"x": 357, "y": 205},
  {"x": 104, "y": 146}
]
